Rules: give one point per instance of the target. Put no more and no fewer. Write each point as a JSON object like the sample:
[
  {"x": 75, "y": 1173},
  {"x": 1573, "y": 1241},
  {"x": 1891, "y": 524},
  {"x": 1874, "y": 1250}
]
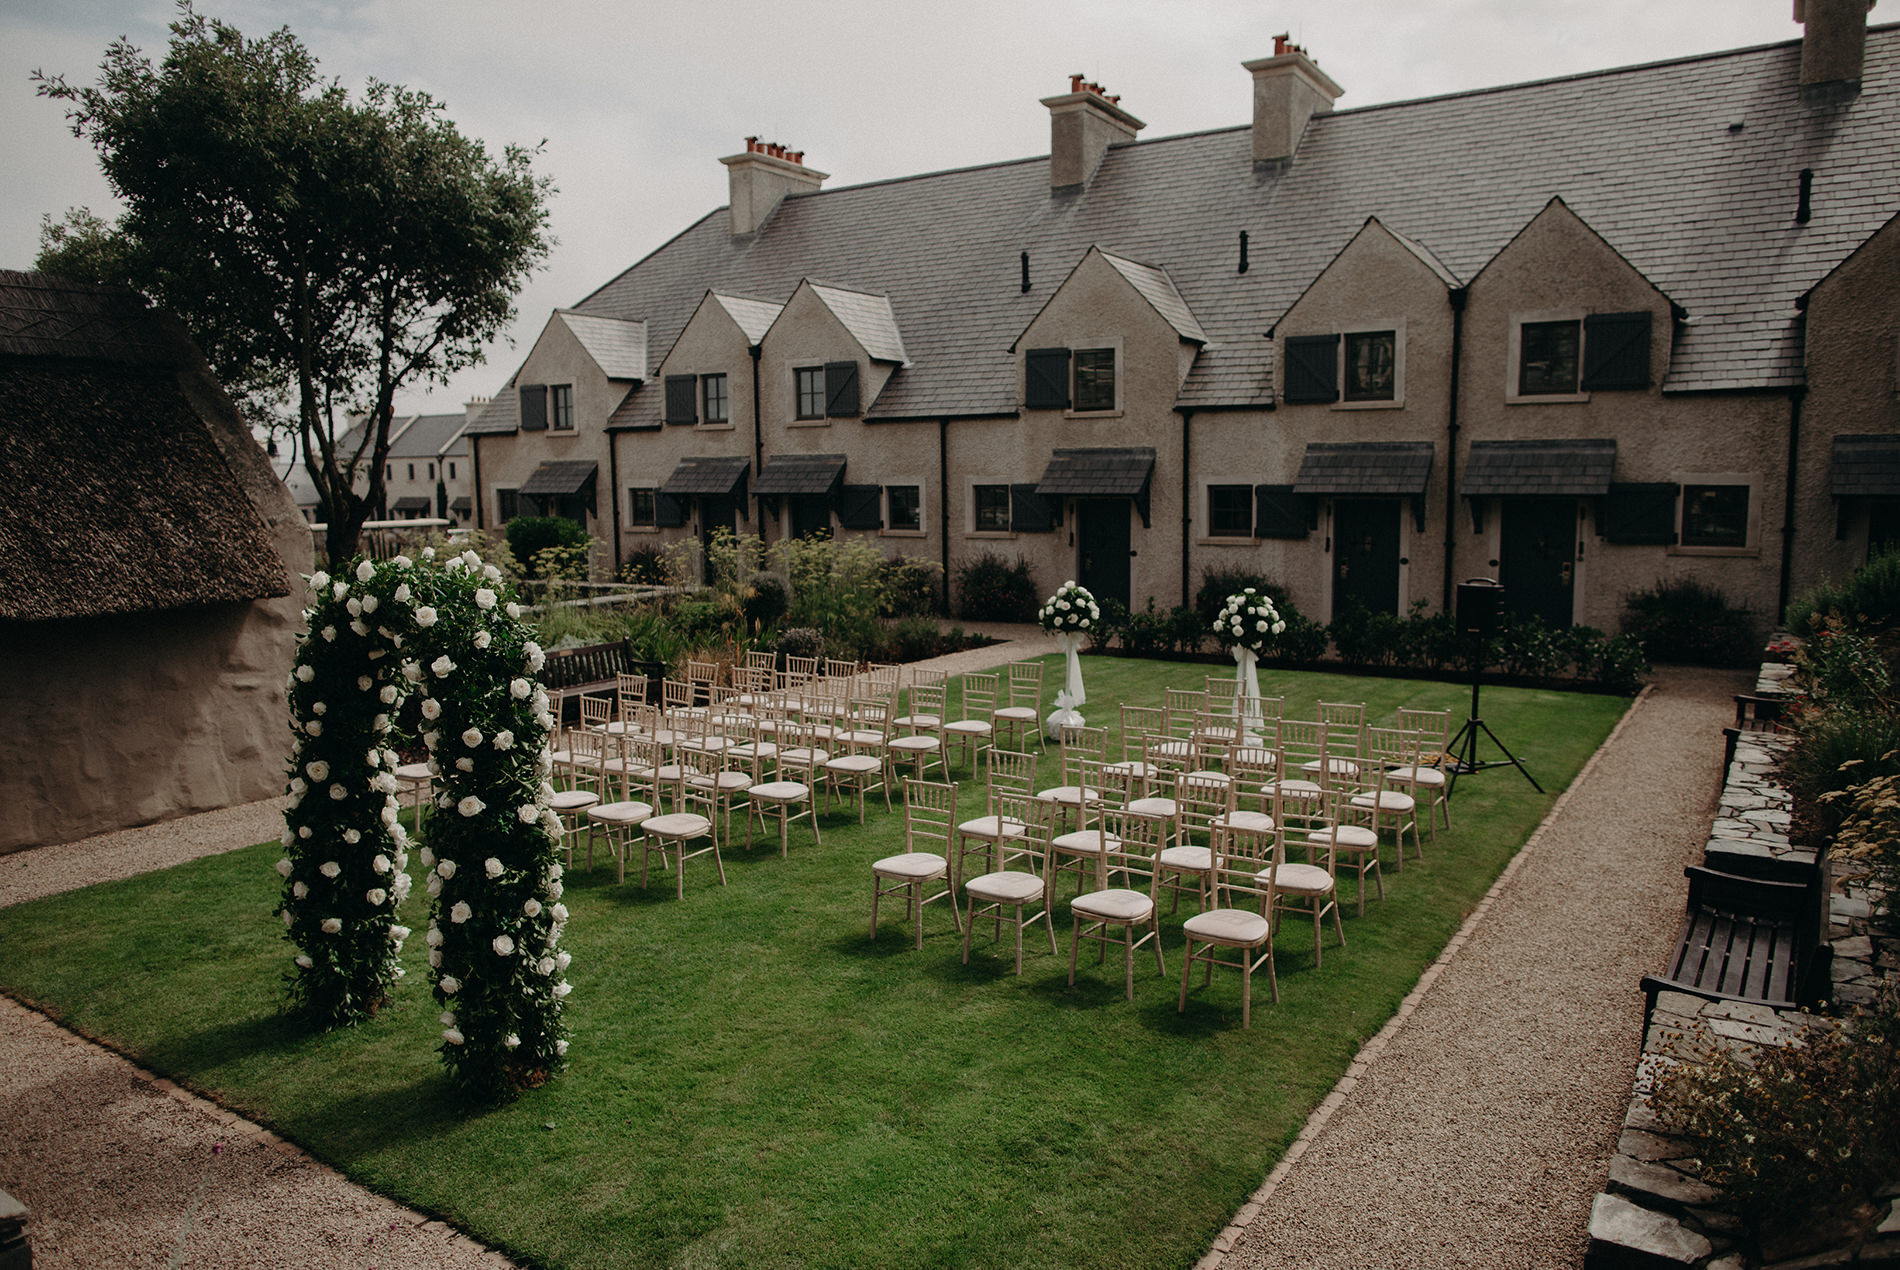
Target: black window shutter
[
  {"x": 858, "y": 506},
  {"x": 1312, "y": 368},
  {"x": 841, "y": 389},
  {"x": 1640, "y": 514},
  {"x": 1046, "y": 379},
  {"x": 681, "y": 399},
  {"x": 1030, "y": 512},
  {"x": 1615, "y": 351},
  {"x": 534, "y": 407},
  {"x": 1279, "y": 512},
  {"x": 669, "y": 510}
]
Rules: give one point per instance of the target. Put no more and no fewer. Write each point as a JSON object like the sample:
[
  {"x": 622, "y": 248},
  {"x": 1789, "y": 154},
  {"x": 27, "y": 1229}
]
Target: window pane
[
  {"x": 561, "y": 405},
  {"x": 811, "y": 392},
  {"x": 1548, "y": 361},
  {"x": 642, "y": 507},
  {"x": 1230, "y": 511},
  {"x": 1094, "y": 379},
  {"x": 1371, "y": 363},
  {"x": 506, "y": 504},
  {"x": 905, "y": 507},
  {"x": 715, "y": 398},
  {"x": 1715, "y": 515},
  {"x": 992, "y": 508}
]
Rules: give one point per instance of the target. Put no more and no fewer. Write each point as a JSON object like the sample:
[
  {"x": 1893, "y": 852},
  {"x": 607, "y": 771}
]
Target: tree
[{"x": 325, "y": 252}]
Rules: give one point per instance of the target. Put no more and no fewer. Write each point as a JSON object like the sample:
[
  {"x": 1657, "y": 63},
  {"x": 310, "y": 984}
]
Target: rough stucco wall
[
  {"x": 128, "y": 720},
  {"x": 507, "y": 461},
  {"x": 1559, "y": 264},
  {"x": 1853, "y": 356}
]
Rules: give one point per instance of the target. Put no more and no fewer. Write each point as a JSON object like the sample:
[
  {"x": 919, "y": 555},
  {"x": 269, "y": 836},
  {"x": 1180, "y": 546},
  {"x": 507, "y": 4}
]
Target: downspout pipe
[
  {"x": 1456, "y": 295},
  {"x": 613, "y": 492},
  {"x": 943, "y": 507},
  {"x": 1796, "y": 396},
  {"x": 758, "y": 445},
  {"x": 475, "y": 475},
  {"x": 1187, "y": 495}
]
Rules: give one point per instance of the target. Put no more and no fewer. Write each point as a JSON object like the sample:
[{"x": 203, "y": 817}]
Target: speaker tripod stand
[{"x": 1464, "y": 748}]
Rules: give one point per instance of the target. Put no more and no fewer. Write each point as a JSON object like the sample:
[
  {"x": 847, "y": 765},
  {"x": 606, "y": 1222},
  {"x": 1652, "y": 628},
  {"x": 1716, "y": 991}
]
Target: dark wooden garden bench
[
  {"x": 1752, "y": 714},
  {"x": 594, "y": 668},
  {"x": 1743, "y": 939}
]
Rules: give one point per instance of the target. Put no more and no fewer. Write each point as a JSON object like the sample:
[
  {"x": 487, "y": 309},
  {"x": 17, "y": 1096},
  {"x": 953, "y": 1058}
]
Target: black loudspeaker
[{"x": 1480, "y": 606}]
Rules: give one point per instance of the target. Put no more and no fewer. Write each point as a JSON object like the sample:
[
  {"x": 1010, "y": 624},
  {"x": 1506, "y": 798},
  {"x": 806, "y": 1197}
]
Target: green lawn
[{"x": 754, "y": 1082}]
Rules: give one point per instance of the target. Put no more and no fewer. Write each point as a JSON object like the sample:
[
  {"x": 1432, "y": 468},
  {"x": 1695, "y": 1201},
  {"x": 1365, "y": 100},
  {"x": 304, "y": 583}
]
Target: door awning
[
  {"x": 800, "y": 474},
  {"x": 1100, "y": 473},
  {"x": 1367, "y": 468},
  {"x": 411, "y": 503},
  {"x": 558, "y": 477},
  {"x": 1866, "y": 466},
  {"x": 1577, "y": 469},
  {"x": 708, "y": 475}
]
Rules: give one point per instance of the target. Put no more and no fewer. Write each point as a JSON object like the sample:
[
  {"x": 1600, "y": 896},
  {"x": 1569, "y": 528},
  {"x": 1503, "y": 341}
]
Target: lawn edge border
[{"x": 1369, "y": 1053}]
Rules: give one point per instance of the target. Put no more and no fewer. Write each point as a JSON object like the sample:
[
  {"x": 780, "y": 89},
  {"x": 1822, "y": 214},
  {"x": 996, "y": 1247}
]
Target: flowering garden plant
[
  {"x": 1248, "y": 620},
  {"x": 1070, "y": 610},
  {"x": 378, "y": 633}
]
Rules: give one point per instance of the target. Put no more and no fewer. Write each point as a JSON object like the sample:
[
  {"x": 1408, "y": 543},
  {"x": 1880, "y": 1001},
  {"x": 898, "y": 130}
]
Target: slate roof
[
  {"x": 706, "y": 476},
  {"x": 429, "y": 436},
  {"x": 868, "y": 318},
  {"x": 1366, "y": 467},
  {"x": 618, "y": 347},
  {"x": 1158, "y": 289},
  {"x": 1865, "y": 466},
  {"x": 1644, "y": 155},
  {"x": 1568, "y": 468},
  {"x": 560, "y": 476},
  {"x": 799, "y": 474},
  {"x": 119, "y": 497},
  {"x": 501, "y": 415},
  {"x": 1097, "y": 473},
  {"x": 753, "y": 317}
]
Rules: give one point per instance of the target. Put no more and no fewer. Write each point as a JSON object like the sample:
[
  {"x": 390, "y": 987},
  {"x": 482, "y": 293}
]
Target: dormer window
[
  {"x": 1079, "y": 380},
  {"x": 826, "y": 392},
  {"x": 1547, "y": 360},
  {"x": 1566, "y": 356},
  {"x": 1094, "y": 379},
  {"x": 811, "y": 391},
  {"x": 1362, "y": 366},
  {"x": 713, "y": 393},
  {"x": 560, "y": 407},
  {"x": 1371, "y": 365}
]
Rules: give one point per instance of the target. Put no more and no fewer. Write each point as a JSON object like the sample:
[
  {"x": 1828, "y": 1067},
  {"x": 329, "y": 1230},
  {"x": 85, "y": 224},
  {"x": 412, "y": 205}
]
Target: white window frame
[
  {"x": 923, "y": 508},
  {"x": 1752, "y": 481},
  {"x": 1379, "y": 327},
  {"x": 1514, "y": 354}
]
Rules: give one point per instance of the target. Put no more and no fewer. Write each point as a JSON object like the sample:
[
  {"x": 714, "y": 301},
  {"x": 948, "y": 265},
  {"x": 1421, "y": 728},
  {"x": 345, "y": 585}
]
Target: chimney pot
[{"x": 760, "y": 177}]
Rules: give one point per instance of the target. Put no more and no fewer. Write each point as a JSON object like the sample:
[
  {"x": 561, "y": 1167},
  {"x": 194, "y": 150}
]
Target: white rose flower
[
  {"x": 380, "y": 723},
  {"x": 428, "y": 553},
  {"x": 441, "y": 666},
  {"x": 464, "y": 764},
  {"x": 513, "y": 609},
  {"x": 1279, "y": 627},
  {"x": 297, "y": 785},
  {"x": 492, "y": 867},
  {"x": 303, "y": 960},
  {"x": 504, "y": 740},
  {"x": 369, "y": 604},
  {"x": 388, "y": 694},
  {"x": 398, "y": 933},
  {"x": 306, "y": 673},
  {"x": 314, "y": 727},
  {"x": 561, "y": 989},
  {"x": 536, "y": 658},
  {"x": 352, "y": 837},
  {"x": 560, "y": 912},
  {"x": 303, "y": 831},
  {"x": 490, "y": 572},
  {"x": 460, "y": 913},
  {"x": 329, "y": 634},
  {"x": 451, "y": 985},
  {"x": 376, "y": 896},
  {"x": 472, "y": 738},
  {"x": 484, "y": 598},
  {"x": 329, "y": 868},
  {"x": 435, "y": 959},
  {"x": 560, "y": 1047},
  {"x": 544, "y": 966},
  {"x": 358, "y": 627},
  {"x": 298, "y": 890},
  {"x": 284, "y": 867},
  {"x": 400, "y": 887},
  {"x": 332, "y": 925},
  {"x": 429, "y": 739},
  {"x": 532, "y": 907},
  {"x": 319, "y": 580},
  {"x": 355, "y": 606},
  {"x": 434, "y": 887},
  {"x": 554, "y": 872},
  {"x": 554, "y": 891},
  {"x": 365, "y": 571},
  {"x": 319, "y": 707},
  {"x": 425, "y": 616},
  {"x": 339, "y": 589},
  {"x": 551, "y": 822},
  {"x": 483, "y": 639},
  {"x": 380, "y": 864},
  {"x": 338, "y": 793},
  {"x": 470, "y": 559},
  {"x": 520, "y": 688},
  {"x": 1261, "y": 627},
  {"x": 527, "y": 813},
  {"x": 562, "y": 961},
  {"x": 402, "y": 591},
  {"x": 446, "y": 868},
  {"x": 450, "y": 1035},
  {"x": 503, "y": 946},
  {"x": 287, "y": 921},
  {"x": 511, "y": 1041}
]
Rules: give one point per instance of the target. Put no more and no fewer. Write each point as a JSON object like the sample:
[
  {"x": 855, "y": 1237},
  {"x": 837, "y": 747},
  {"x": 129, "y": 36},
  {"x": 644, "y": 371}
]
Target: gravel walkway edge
[{"x": 1369, "y": 1053}]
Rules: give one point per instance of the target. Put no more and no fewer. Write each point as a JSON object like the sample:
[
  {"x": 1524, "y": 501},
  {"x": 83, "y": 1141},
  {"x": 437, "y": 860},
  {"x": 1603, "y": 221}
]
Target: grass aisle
[{"x": 754, "y": 1082}]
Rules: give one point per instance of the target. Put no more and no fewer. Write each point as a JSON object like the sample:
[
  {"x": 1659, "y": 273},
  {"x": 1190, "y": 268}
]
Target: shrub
[
  {"x": 1799, "y": 1133},
  {"x": 528, "y": 535},
  {"x": 907, "y": 587},
  {"x": 1690, "y": 622},
  {"x": 912, "y": 639},
  {"x": 766, "y": 601},
  {"x": 1869, "y": 840},
  {"x": 645, "y": 566},
  {"x": 990, "y": 589},
  {"x": 1840, "y": 666},
  {"x": 801, "y": 641},
  {"x": 1871, "y": 597},
  {"x": 1429, "y": 640},
  {"x": 1112, "y": 625},
  {"x": 1303, "y": 640},
  {"x": 1186, "y": 630},
  {"x": 1365, "y": 638},
  {"x": 1526, "y": 646},
  {"x": 1833, "y": 750},
  {"x": 1619, "y": 665}
]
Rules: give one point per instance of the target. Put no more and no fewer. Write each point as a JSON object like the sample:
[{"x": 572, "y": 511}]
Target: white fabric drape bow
[
  {"x": 1070, "y": 699},
  {"x": 1247, "y": 706}
]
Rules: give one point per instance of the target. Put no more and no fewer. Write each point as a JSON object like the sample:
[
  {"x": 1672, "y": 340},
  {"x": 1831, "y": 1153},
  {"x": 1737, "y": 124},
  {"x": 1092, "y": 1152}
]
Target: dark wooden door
[
  {"x": 1102, "y": 541},
  {"x": 811, "y": 515},
  {"x": 1366, "y": 554},
  {"x": 1537, "y": 560},
  {"x": 1883, "y": 527},
  {"x": 716, "y": 512}
]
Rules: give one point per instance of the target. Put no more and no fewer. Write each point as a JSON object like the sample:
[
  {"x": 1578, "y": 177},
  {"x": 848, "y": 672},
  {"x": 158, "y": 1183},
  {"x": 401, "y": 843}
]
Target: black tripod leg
[{"x": 1507, "y": 754}]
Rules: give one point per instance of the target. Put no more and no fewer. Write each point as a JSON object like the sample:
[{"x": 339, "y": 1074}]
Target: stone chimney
[
  {"x": 1833, "y": 46},
  {"x": 763, "y": 175},
  {"x": 472, "y": 407},
  {"x": 1083, "y": 123},
  {"x": 1289, "y": 88}
]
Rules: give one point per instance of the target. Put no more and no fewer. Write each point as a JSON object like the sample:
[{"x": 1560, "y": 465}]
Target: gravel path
[
  {"x": 1476, "y": 1138},
  {"x": 1481, "y": 1132}
]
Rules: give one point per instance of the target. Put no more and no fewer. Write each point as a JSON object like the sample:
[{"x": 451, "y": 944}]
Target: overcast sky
[{"x": 637, "y": 100}]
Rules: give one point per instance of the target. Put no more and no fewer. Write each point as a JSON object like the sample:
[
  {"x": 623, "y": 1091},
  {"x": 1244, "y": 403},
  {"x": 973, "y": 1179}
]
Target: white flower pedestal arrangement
[
  {"x": 1248, "y": 623},
  {"x": 1070, "y": 614}
]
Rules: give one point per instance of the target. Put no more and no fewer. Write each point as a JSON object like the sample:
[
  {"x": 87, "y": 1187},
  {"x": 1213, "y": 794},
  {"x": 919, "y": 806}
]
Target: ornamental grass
[{"x": 753, "y": 1080}]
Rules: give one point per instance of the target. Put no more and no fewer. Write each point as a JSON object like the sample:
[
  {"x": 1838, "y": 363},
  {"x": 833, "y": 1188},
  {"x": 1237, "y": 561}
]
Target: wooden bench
[
  {"x": 1743, "y": 939},
  {"x": 1752, "y": 714},
  {"x": 594, "y": 668}
]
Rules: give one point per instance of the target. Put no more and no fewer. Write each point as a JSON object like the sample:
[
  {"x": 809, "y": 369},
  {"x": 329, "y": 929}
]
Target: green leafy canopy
[{"x": 324, "y": 251}]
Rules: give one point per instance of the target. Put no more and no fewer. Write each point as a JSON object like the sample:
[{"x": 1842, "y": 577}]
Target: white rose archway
[
  {"x": 378, "y": 632},
  {"x": 1070, "y": 614}
]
